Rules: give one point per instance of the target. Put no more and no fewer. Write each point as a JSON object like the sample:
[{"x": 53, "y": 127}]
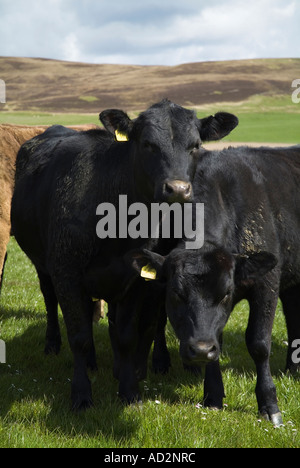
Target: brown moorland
[{"x": 34, "y": 84}]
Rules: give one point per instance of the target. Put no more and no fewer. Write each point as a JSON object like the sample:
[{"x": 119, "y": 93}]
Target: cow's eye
[
  {"x": 226, "y": 298},
  {"x": 150, "y": 146},
  {"x": 195, "y": 148},
  {"x": 178, "y": 296}
]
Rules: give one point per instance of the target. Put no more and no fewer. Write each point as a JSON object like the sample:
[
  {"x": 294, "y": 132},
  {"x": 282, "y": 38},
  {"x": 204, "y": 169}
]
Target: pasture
[
  {"x": 35, "y": 389},
  {"x": 261, "y": 119}
]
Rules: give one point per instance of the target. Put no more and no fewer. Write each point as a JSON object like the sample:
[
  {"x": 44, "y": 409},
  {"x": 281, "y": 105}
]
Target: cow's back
[
  {"x": 35, "y": 153},
  {"x": 252, "y": 199},
  {"x": 11, "y": 138},
  {"x": 54, "y": 173}
]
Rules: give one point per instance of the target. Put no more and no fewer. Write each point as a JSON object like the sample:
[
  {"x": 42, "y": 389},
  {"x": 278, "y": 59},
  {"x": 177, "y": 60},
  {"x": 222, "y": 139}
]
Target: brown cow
[{"x": 11, "y": 138}]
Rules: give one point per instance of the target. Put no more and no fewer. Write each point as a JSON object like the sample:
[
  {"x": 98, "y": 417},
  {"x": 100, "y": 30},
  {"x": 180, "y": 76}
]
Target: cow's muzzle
[
  {"x": 177, "y": 191},
  {"x": 196, "y": 352}
]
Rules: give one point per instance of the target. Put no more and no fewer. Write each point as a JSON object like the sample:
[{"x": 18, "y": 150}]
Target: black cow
[
  {"x": 61, "y": 178},
  {"x": 251, "y": 251}
]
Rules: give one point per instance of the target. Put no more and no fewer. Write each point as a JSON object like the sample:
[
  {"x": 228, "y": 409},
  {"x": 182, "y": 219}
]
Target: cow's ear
[
  {"x": 116, "y": 122},
  {"x": 148, "y": 264},
  {"x": 250, "y": 268},
  {"x": 217, "y": 126}
]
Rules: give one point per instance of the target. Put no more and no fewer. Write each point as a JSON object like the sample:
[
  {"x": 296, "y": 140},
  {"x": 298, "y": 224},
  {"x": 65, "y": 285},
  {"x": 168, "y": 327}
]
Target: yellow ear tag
[
  {"x": 120, "y": 136},
  {"x": 148, "y": 273}
]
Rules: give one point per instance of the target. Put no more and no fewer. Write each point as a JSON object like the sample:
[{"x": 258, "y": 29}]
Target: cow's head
[
  {"x": 166, "y": 140},
  {"x": 200, "y": 288}
]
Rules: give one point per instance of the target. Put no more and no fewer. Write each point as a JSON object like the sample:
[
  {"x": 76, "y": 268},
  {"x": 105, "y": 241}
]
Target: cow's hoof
[
  {"x": 160, "y": 367},
  {"x": 275, "y": 419},
  {"x": 81, "y": 396},
  {"x": 130, "y": 400},
  {"x": 137, "y": 404},
  {"x": 81, "y": 404},
  {"x": 52, "y": 346},
  {"x": 213, "y": 404}
]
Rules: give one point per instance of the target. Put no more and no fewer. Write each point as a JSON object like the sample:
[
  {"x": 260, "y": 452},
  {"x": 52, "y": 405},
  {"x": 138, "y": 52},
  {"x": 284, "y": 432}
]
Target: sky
[{"x": 150, "y": 32}]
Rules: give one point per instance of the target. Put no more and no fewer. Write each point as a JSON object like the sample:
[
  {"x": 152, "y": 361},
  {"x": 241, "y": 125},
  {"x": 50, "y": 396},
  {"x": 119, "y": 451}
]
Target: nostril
[
  {"x": 188, "y": 191},
  {"x": 169, "y": 188},
  {"x": 212, "y": 353},
  {"x": 192, "y": 352},
  {"x": 188, "y": 188}
]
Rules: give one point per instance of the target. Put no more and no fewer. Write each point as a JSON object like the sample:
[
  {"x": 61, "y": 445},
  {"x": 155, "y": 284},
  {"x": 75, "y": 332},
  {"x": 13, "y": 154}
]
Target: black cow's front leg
[
  {"x": 123, "y": 336},
  {"x": 263, "y": 305},
  {"x": 77, "y": 310},
  {"x": 132, "y": 326},
  {"x": 213, "y": 386},
  {"x": 161, "y": 361}
]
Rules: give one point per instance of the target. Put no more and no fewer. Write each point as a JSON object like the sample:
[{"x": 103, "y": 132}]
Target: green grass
[
  {"x": 35, "y": 389},
  {"x": 44, "y": 118},
  {"x": 264, "y": 119},
  {"x": 88, "y": 98},
  {"x": 267, "y": 128}
]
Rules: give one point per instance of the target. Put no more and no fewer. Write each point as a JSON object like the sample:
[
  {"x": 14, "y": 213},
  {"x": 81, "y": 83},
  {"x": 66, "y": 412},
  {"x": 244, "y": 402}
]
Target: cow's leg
[
  {"x": 213, "y": 386},
  {"x": 213, "y": 383},
  {"x": 4, "y": 240},
  {"x": 53, "y": 337},
  {"x": 123, "y": 336},
  {"x": 147, "y": 330},
  {"x": 160, "y": 357},
  {"x": 77, "y": 309},
  {"x": 291, "y": 307},
  {"x": 263, "y": 305},
  {"x": 132, "y": 326},
  {"x": 2, "y": 271}
]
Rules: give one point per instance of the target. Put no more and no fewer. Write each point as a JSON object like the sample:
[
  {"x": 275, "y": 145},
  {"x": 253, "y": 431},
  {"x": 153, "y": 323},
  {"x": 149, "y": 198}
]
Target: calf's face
[
  {"x": 198, "y": 301},
  {"x": 200, "y": 289},
  {"x": 165, "y": 143}
]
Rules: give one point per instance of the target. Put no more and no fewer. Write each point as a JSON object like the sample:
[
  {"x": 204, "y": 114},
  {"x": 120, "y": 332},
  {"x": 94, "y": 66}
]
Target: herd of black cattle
[{"x": 251, "y": 250}]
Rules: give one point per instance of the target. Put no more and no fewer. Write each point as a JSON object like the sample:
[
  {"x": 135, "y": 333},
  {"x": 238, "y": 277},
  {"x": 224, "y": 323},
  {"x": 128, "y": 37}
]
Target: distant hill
[{"x": 57, "y": 86}]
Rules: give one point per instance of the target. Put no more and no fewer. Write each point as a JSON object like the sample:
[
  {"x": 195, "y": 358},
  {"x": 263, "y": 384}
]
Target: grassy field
[
  {"x": 262, "y": 119},
  {"x": 258, "y": 127},
  {"x": 45, "y": 118},
  {"x": 35, "y": 389}
]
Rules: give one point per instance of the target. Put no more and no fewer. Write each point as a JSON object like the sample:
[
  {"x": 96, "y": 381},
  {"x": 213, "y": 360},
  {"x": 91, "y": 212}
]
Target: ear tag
[
  {"x": 120, "y": 136},
  {"x": 148, "y": 273}
]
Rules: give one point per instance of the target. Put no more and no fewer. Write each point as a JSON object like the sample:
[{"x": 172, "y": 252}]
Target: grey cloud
[{"x": 150, "y": 32}]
